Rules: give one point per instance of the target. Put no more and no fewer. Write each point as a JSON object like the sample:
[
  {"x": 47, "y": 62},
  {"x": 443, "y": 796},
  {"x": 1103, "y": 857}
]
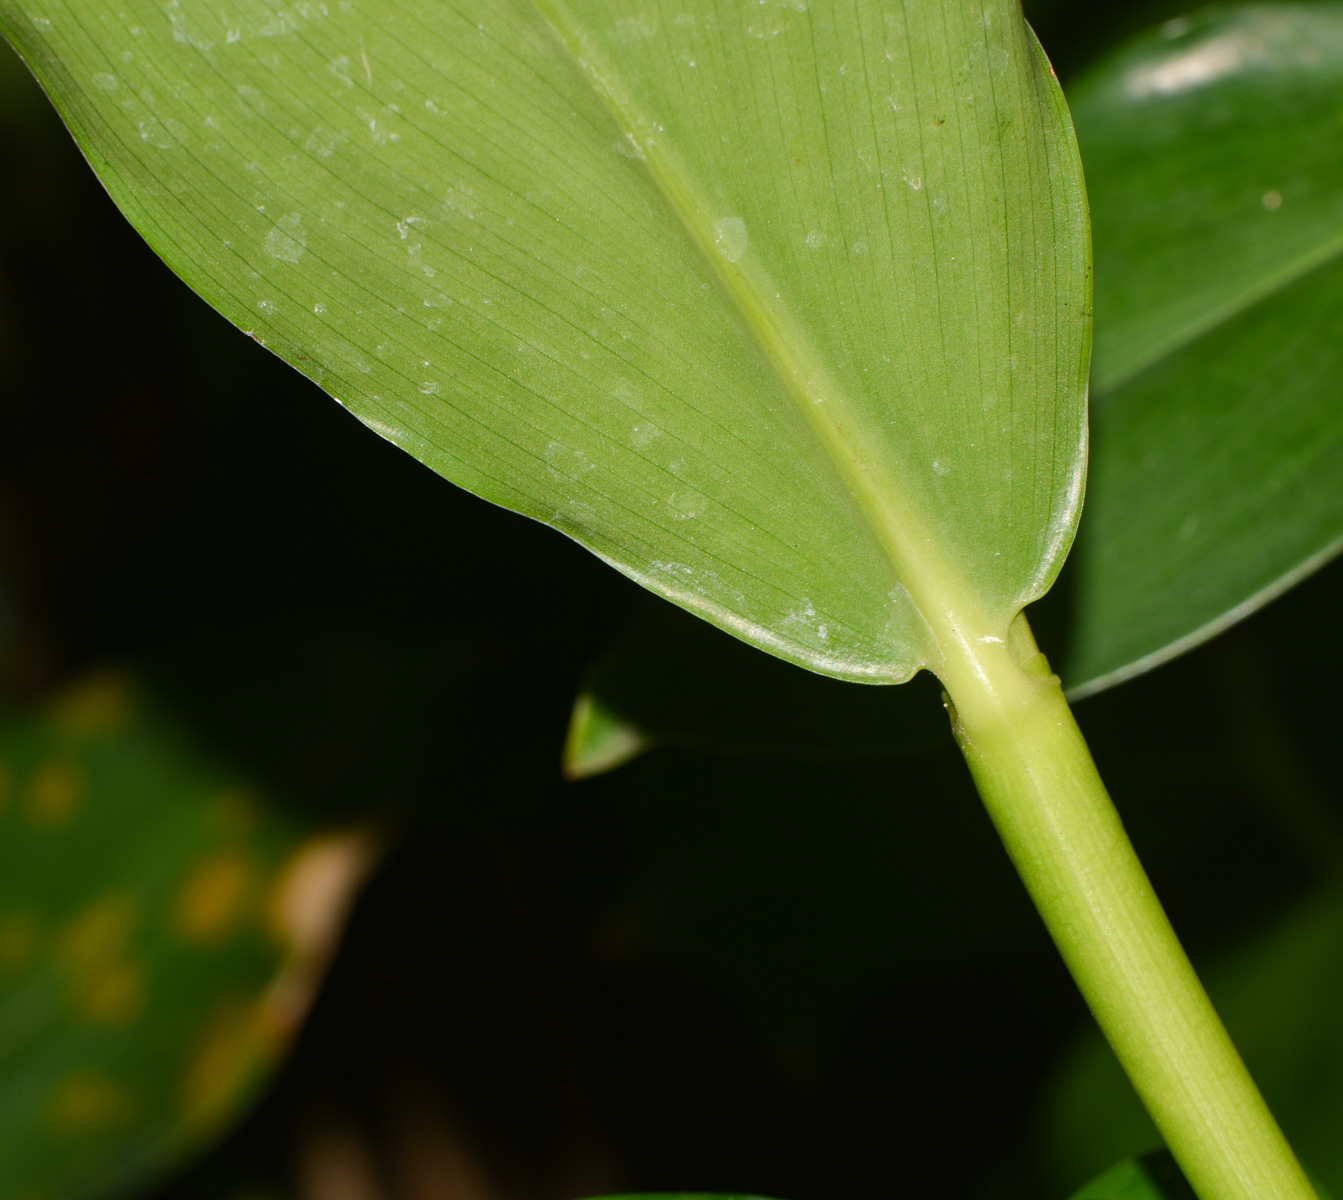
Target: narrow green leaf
[
  {"x": 162, "y": 930},
  {"x": 1217, "y": 198},
  {"x": 782, "y": 309}
]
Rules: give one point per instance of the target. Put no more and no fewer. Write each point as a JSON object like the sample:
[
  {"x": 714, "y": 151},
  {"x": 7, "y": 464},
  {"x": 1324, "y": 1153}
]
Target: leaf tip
[{"x": 599, "y": 739}]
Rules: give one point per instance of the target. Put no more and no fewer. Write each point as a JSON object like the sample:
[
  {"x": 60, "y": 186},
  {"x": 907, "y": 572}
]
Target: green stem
[{"x": 1041, "y": 789}]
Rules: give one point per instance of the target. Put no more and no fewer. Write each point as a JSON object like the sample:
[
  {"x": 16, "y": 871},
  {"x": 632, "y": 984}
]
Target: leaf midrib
[
  {"x": 1272, "y": 283},
  {"x": 927, "y": 581}
]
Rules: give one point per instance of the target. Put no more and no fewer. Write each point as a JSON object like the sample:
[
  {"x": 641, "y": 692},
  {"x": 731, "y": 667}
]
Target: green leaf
[
  {"x": 600, "y": 738},
  {"x": 162, "y": 930},
  {"x": 1152, "y": 1177},
  {"x": 1217, "y": 440},
  {"x": 1217, "y": 202},
  {"x": 672, "y": 680},
  {"x": 1279, "y": 998},
  {"x": 782, "y": 309}
]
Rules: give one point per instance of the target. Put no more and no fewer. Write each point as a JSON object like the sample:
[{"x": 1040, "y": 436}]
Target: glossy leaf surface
[
  {"x": 784, "y": 310},
  {"x": 1217, "y": 444},
  {"x": 162, "y": 931},
  {"x": 1217, "y": 200}
]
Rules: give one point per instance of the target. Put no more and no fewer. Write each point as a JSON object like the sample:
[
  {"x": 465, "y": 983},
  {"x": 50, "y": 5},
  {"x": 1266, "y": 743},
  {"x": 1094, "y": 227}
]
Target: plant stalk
[{"x": 1044, "y": 795}]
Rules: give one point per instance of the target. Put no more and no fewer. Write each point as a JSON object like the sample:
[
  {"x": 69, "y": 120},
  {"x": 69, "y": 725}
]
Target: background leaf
[
  {"x": 672, "y": 680},
  {"x": 1279, "y": 998},
  {"x": 1152, "y": 1177},
  {"x": 539, "y": 1032},
  {"x": 1217, "y": 440},
  {"x": 1217, "y": 202},
  {"x": 615, "y": 270},
  {"x": 162, "y": 931}
]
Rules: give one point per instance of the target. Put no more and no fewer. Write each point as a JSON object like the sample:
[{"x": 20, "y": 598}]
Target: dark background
[{"x": 805, "y": 980}]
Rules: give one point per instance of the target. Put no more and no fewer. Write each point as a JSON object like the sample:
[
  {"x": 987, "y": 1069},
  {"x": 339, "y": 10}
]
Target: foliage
[
  {"x": 582, "y": 284},
  {"x": 1292, "y": 523},
  {"x": 163, "y": 931},
  {"x": 1215, "y": 441}
]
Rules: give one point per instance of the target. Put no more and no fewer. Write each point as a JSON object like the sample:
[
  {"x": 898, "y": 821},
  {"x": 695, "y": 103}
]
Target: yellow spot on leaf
[
  {"x": 214, "y": 898},
  {"x": 18, "y": 941},
  {"x": 236, "y": 1047},
  {"x": 106, "y": 986},
  {"x": 306, "y": 913},
  {"x": 54, "y": 793},
  {"x": 87, "y": 1103},
  {"x": 237, "y": 811},
  {"x": 100, "y": 933},
  {"x": 100, "y": 705},
  {"x": 114, "y": 995}
]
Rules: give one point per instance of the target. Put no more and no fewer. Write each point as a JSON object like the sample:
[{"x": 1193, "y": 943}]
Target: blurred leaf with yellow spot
[
  {"x": 114, "y": 996},
  {"x": 235, "y": 1048},
  {"x": 99, "y": 931},
  {"x": 54, "y": 793},
  {"x": 164, "y": 926},
  {"x": 101, "y": 704},
  {"x": 18, "y": 940},
  {"x": 214, "y": 899},
  {"x": 87, "y": 1102}
]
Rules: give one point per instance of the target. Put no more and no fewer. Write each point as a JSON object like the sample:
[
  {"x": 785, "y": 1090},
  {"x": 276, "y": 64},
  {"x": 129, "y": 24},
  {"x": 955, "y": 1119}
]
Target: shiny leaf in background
[
  {"x": 1211, "y": 156},
  {"x": 162, "y": 931},
  {"x": 1279, "y": 996},
  {"x": 1211, "y": 151},
  {"x": 782, "y": 309}
]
